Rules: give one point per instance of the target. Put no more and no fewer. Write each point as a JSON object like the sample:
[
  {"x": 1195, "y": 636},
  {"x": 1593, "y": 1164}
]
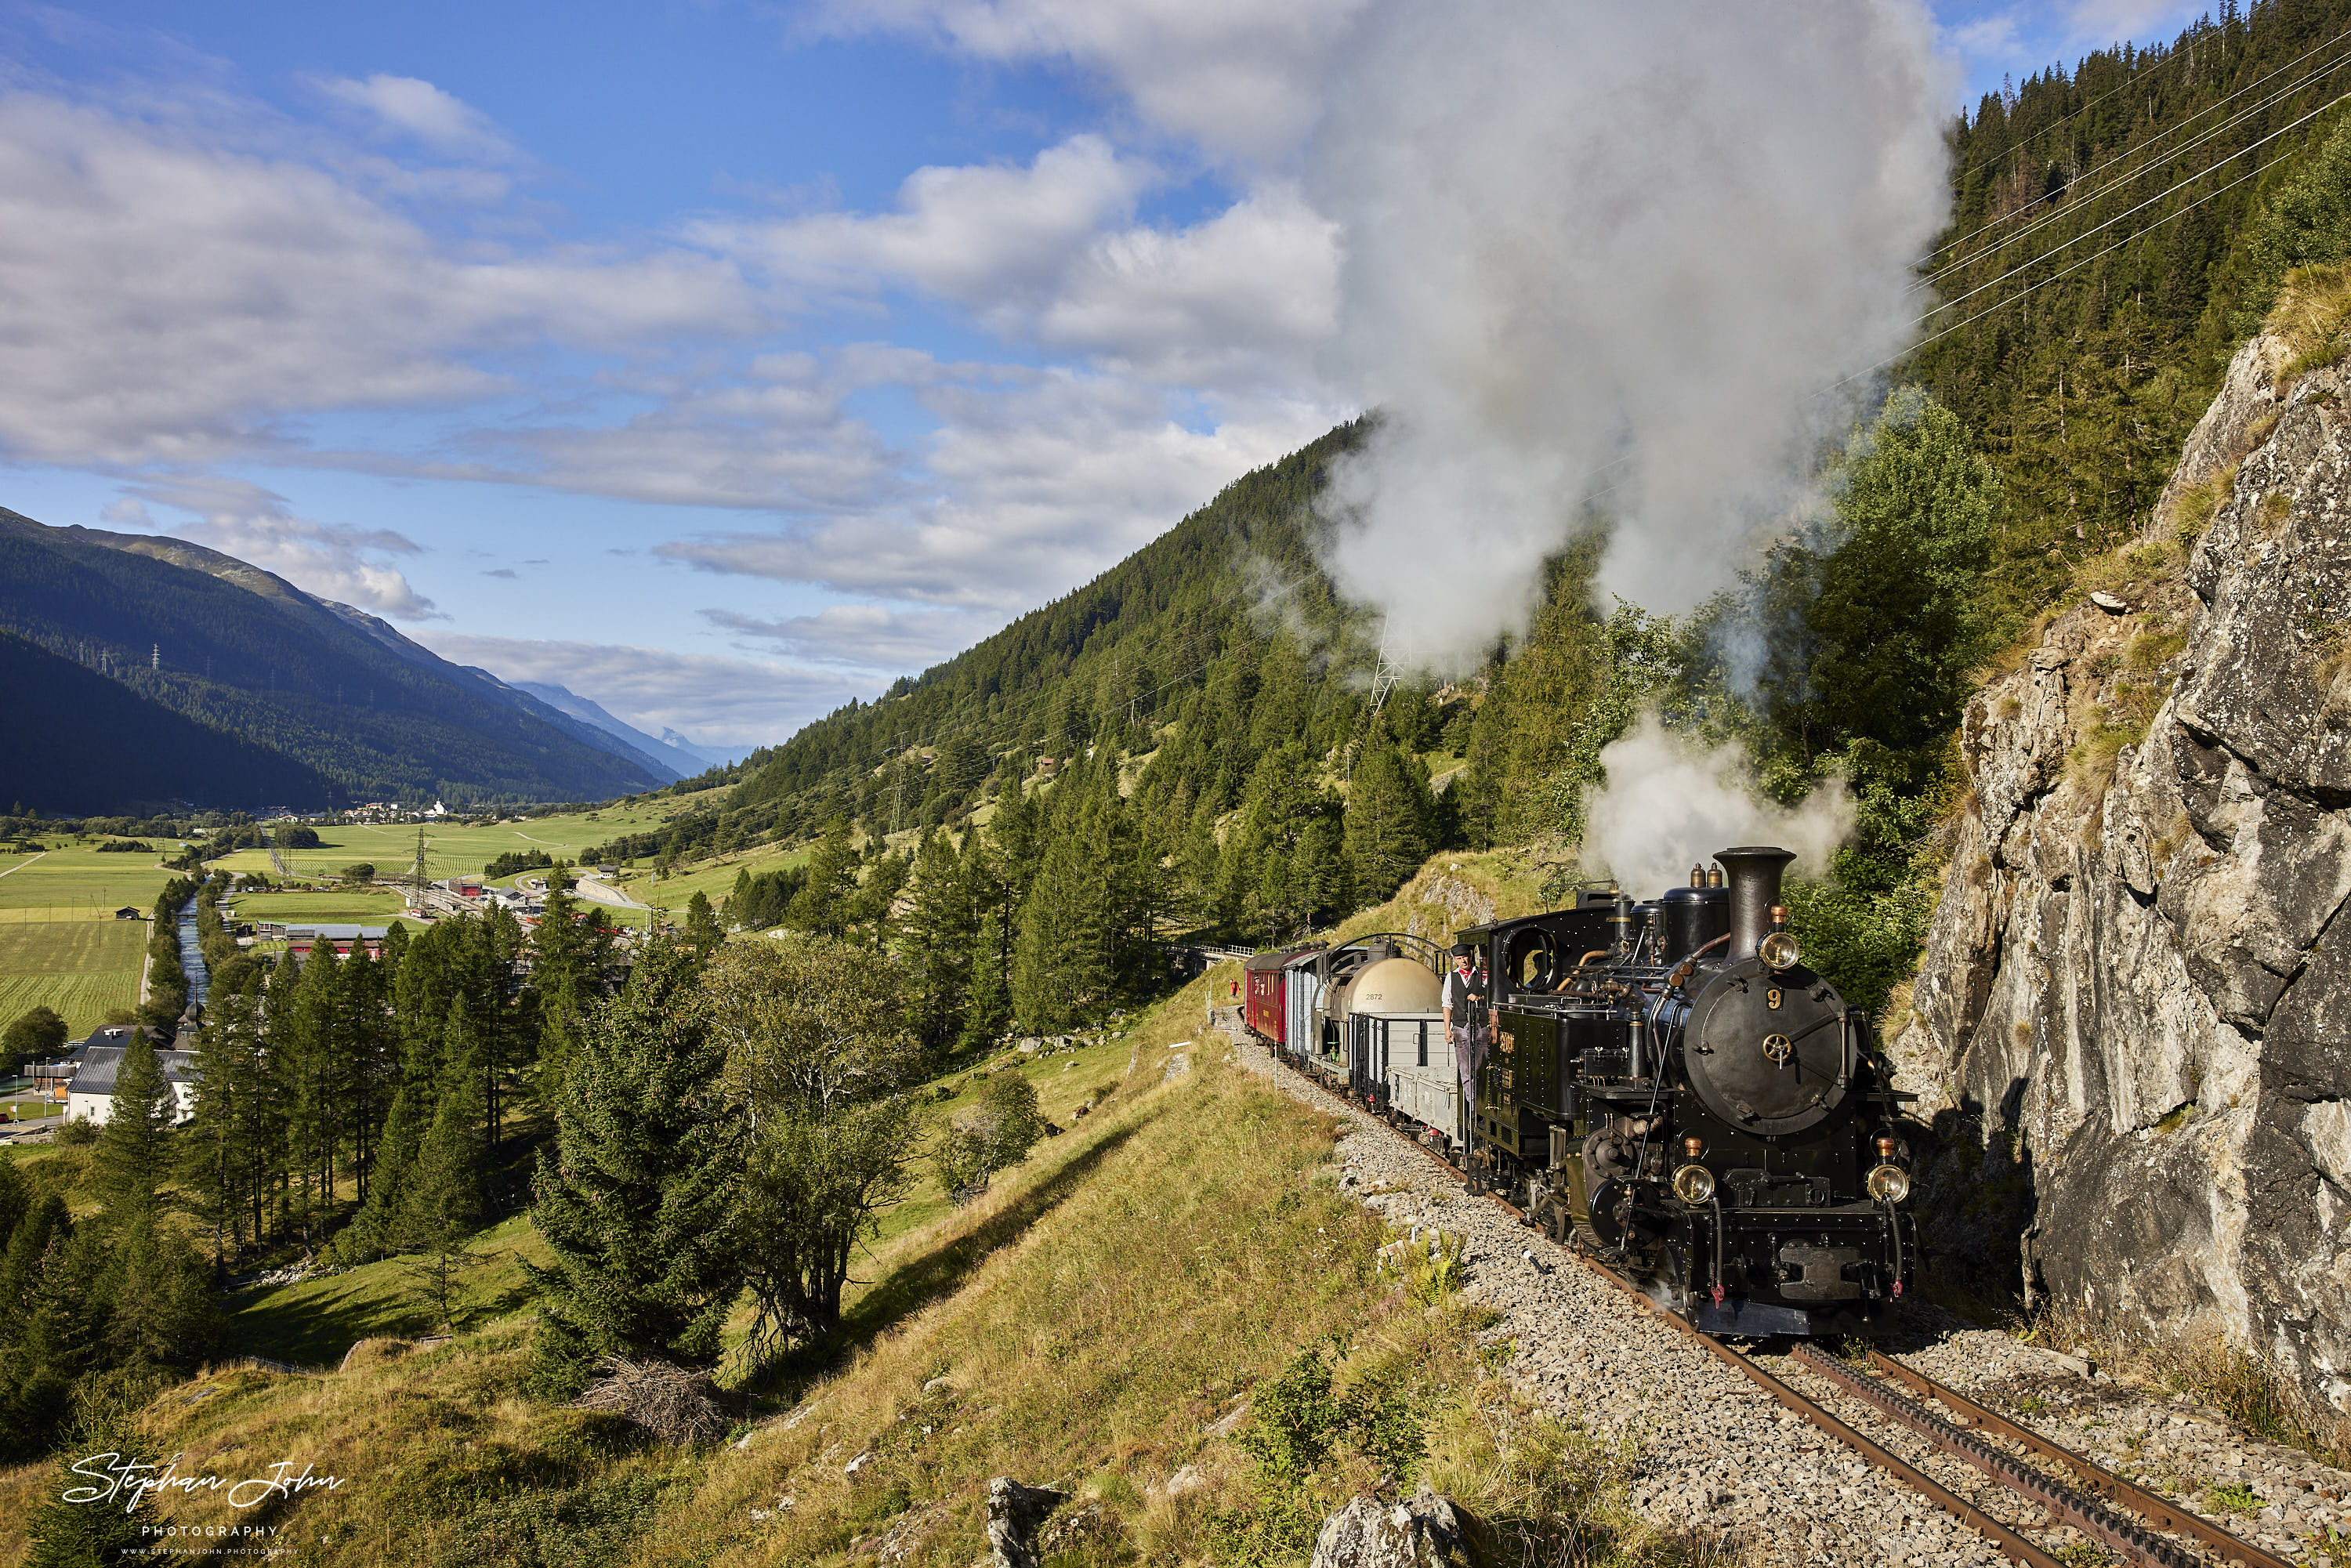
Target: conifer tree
[
  {"x": 308, "y": 1037},
  {"x": 368, "y": 1050},
  {"x": 571, "y": 950},
  {"x": 1387, "y": 821},
  {"x": 941, "y": 925},
  {"x": 635, "y": 1201},
  {"x": 69, "y": 1529},
  {"x": 67, "y": 1321},
  {"x": 1200, "y": 870},
  {"x": 1275, "y": 890},
  {"x": 703, "y": 932},
  {"x": 874, "y": 906},
  {"x": 160, "y": 1300},
  {"x": 20, "y": 1265},
  {"x": 16, "y": 1202},
  {"x": 1019, "y": 834},
  {"x": 987, "y": 1010},
  {"x": 223, "y": 1150},
  {"x": 1900, "y": 621},
  {"x": 822, "y": 904},
  {"x": 441, "y": 1201},
  {"x": 128, "y": 1162},
  {"x": 1060, "y": 967}
]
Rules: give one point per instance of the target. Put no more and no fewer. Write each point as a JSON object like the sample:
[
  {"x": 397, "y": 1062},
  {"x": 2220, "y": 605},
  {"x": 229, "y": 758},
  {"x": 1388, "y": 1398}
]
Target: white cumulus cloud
[
  {"x": 1238, "y": 77},
  {"x": 334, "y": 560}
]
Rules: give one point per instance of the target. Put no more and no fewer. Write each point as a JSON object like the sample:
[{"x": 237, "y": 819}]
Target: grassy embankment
[{"x": 1087, "y": 1323}]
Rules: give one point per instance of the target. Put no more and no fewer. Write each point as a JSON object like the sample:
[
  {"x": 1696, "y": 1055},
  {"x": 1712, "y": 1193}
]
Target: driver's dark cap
[{"x": 1463, "y": 950}]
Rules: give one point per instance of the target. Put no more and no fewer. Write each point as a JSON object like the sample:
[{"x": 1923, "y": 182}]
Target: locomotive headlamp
[
  {"x": 1694, "y": 1184},
  {"x": 1889, "y": 1184},
  {"x": 1779, "y": 950}
]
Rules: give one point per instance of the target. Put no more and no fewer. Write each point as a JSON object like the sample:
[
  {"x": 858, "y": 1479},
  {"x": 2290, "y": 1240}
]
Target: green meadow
[
  {"x": 71, "y": 881},
  {"x": 453, "y": 850},
  {"x": 80, "y": 968}
]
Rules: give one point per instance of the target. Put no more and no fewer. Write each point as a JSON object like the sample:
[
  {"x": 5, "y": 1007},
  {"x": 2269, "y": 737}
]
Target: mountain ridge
[{"x": 325, "y": 684}]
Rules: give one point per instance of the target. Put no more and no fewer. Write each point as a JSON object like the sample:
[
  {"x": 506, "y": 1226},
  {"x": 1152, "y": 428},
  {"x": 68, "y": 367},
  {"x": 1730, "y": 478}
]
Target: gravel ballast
[{"x": 1719, "y": 1456}]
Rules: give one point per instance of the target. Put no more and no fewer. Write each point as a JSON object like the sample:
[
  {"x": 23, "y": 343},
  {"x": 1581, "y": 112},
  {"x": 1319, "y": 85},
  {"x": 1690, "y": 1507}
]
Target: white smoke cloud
[
  {"x": 1669, "y": 803},
  {"x": 1606, "y": 248}
]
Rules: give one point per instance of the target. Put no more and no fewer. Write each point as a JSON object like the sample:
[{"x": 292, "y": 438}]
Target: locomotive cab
[{"x": 1667, "y": 1084}]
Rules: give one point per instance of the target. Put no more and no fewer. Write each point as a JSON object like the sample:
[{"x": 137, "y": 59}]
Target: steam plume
[
  {"x": 1670, "y": 803},
  {"x": 1609, "y": 247}
]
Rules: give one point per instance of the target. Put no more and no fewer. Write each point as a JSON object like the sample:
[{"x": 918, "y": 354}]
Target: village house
[{"x": 85, "y": 1077}]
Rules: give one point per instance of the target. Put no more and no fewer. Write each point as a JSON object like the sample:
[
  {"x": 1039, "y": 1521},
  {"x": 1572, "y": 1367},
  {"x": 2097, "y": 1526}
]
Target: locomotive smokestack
[{"x": 1754, "y": 889}]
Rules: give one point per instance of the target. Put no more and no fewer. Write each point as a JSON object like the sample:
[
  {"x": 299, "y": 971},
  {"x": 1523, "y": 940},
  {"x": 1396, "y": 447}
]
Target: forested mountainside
[
  {"x": 2150, "y": 202},
  {"x": 86, "y": 744},
  {"x": 238, "y": 650}
]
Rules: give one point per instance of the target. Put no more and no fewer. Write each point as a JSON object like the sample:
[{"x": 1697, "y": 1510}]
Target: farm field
[
  {"x": 343, "y": 906},
  {"x": 450, "y": 851},
  {"x": 714, "y": 877},
  {"x": 72, "y": 881},
  {"x": 79, "y": 968}
]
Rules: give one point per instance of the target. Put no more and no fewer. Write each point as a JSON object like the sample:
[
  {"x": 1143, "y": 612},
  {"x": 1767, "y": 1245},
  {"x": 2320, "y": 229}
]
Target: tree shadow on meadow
[{"x": 939, "y": 1272}]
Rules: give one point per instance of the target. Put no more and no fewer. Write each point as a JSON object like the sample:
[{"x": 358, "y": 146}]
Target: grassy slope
[
  {"x": 1181, "y": 1240},
  {"x": 1093, "y": 1314},
  {"x": 715, "y": 878}
]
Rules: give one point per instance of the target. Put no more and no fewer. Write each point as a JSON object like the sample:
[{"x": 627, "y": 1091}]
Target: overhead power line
[
  {"x": 2151, "y": 200},
  {"x": 2135, "y": 150},
  {"x": 2076, "y": 266},
  {"x": 2073, "y": 203}
]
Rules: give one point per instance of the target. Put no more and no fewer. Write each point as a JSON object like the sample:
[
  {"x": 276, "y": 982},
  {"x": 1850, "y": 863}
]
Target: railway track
[{"x": 2130, "y": 1523}]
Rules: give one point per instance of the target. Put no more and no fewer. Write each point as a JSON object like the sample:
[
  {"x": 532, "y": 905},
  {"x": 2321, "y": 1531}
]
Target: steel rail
[
  {"x": 2134, "y": 1540},
  {"x": 2009, "y": 1545},
  {"x": 2157, "y": 1510},
  {"x": 2085, "y": 1512}
]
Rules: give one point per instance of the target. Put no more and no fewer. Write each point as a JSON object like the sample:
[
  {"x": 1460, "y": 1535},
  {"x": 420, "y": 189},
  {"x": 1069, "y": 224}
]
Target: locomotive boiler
[{"x": 1668, "y": 1083}]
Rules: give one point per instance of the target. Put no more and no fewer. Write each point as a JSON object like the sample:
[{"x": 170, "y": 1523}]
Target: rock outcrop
[
  {"x": 1014, "y": 1512},
  {"x": 1421, "y": 1533},
  {"x": 2133, "y": 1022}
]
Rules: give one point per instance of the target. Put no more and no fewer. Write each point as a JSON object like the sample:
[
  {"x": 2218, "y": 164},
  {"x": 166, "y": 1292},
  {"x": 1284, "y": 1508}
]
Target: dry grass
[
  {"x": 1096, "y": 1321},
  {"x": 2192, "y": 513},
  {"x": 1458, "y": 888},
  {"x": 2234, "y": 1379},
  {"x": 2313, "y": 315}
]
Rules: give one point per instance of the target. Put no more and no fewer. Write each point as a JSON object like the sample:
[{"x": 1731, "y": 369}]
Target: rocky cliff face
[{"x": 2133, "y": 1019}]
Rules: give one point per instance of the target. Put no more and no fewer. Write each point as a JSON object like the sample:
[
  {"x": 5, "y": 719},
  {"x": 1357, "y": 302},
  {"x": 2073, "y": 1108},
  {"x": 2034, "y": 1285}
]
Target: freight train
[{"x": 1663, "y": 1083}]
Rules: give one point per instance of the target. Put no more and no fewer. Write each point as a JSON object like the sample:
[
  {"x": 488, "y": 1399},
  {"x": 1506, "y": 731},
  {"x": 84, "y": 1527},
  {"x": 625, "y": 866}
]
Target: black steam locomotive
[{"x": 1668, "y": 1084}]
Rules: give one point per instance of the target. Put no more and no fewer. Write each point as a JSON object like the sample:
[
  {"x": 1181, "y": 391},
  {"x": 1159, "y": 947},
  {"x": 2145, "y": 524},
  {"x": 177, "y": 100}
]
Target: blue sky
[{"x": 717, "y": 360}]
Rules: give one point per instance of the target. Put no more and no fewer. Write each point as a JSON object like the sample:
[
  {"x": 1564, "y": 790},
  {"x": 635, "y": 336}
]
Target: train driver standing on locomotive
[{"x": 1465, "y": 991}]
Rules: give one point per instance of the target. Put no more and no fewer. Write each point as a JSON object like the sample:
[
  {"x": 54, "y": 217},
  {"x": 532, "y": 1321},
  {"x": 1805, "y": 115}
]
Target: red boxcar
[{"x": 1266, "y": 1005}]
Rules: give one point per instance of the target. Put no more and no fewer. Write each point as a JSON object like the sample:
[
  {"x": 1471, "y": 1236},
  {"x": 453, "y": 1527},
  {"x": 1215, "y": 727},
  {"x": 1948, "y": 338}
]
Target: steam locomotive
[{"x": 1665, "y": 1083}]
